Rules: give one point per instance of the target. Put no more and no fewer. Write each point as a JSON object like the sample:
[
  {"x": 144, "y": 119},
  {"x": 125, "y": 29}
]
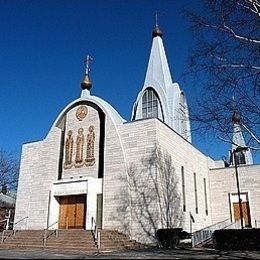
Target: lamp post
[{"x": 238, "y": 149}]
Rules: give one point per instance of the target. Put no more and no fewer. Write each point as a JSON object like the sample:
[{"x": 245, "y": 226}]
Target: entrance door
[
  {"x": 72, "y": 212},
  {"x": 245, "y": 211}
]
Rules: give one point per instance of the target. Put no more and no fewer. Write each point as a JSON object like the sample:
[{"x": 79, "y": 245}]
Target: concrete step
[
  {"x": 92, "y": 249},
  {"x": 57, "y": 243},
  {"x": 114, "y": 240},
  {"x": 69, "y": 239}
]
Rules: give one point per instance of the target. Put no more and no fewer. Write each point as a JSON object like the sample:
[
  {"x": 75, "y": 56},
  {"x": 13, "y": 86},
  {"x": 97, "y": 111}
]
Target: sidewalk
[{"x": 153, "y": 253}]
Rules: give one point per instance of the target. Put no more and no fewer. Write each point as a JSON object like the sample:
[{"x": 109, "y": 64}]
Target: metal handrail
[
  {"x": 3, "y": 232},
  {"x": 22, "y": 219},
  {"x": 2, "y": 221},
  {"x": 95, "y": 232},
  {"x": 45, "y": 237},
  {"x": 3, "y": 237},
  {"x": 204, "y": 234}
]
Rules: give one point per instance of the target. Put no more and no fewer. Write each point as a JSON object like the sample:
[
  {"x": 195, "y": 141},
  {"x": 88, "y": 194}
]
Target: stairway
[
  {"x": 72, "y": 239},
  {"x": 114, "y": 240},
  {"x": 66, "y": 240},
  {"x": 205, "y": 244}
]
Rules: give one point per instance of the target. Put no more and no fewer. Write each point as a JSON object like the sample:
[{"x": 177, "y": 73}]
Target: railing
[
  {"x": 3, "y": 232},
  {"x": 234, "y": 225},
  {"x": 95, "y": 232},
  {"x": 3, "y": 222},
  {"x": 19, "y": 221},
  {"x": 7, "y": 225},
  {"x": 45, "y": 236},
  {"x": 206, "y": 233},
  {"x": 6, "y": 222},
  {"x": 257, "y": 223}
]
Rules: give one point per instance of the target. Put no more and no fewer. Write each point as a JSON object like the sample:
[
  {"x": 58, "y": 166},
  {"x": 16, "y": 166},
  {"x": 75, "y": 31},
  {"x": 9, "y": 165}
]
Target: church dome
[
  {"x": 86, "y": 83},
  {"x": 157, "y": 32}
]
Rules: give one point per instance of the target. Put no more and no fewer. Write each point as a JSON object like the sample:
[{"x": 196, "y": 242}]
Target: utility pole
[{"x": 238, "y": 149}]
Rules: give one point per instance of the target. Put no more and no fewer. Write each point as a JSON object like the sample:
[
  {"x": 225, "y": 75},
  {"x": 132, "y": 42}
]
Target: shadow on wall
[{"x": 153, "y": 201}]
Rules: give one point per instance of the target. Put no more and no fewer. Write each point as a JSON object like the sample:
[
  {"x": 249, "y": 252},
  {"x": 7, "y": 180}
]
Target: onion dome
[
  {"x": 157, "y": 32},
  {"x": 86, "y": 82}
]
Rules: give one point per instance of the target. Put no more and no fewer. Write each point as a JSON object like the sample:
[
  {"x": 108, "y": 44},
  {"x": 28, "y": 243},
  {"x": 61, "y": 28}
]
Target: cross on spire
[
  {"x": 156, "y": 18},
  {"x": 87, "y": 61},
  {"x": 156, "y": 31}
]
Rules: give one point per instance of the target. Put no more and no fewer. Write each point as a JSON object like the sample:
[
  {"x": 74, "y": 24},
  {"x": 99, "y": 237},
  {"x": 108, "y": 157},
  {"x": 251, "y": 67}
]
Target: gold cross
[{"x": 87, "y": 61}]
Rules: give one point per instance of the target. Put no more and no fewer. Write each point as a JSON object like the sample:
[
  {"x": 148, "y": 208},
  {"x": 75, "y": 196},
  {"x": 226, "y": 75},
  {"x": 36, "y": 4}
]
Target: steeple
[
  {"x": 159, "y": 96},
  {"x": 158, "y": 69},
  {"x": 86, "y": 82},
  {"x": 245, "y": 156}
]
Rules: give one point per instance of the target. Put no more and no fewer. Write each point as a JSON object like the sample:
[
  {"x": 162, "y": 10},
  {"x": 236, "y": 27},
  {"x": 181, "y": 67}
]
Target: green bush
[{"x": 237, "y": 239}]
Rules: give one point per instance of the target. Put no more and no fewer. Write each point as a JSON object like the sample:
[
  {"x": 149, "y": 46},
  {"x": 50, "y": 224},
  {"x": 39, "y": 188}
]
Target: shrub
[
  {"x": 168, "y": 238},
  {"x": 237, "y": 239}
]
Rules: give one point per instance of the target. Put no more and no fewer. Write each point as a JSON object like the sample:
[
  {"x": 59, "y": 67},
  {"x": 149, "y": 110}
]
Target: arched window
[{"x": 151, "y": 106}]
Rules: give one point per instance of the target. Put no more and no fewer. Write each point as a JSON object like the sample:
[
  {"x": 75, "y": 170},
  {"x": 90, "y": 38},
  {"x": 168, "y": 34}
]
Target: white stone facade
[{"x": 135, "y": 177}]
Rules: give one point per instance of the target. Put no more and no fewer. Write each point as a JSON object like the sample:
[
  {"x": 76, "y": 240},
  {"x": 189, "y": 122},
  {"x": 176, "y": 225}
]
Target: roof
[{"x": 6, "y": 201}]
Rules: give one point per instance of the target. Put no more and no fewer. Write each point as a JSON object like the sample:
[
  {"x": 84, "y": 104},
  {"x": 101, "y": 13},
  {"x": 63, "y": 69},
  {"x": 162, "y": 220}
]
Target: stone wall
[
  {"x": 223, "y": 182},
  {"x": 185, "y": 154},
  {"x": 140, "y": 138},
  {"x": 38, "y": 169},
  {"x": 115, "y": 192}
]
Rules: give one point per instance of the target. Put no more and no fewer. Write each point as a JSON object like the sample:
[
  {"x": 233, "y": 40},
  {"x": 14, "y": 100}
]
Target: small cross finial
[
  {"x": 87, "y": 61},
  {"x": 156, "y": 18}
]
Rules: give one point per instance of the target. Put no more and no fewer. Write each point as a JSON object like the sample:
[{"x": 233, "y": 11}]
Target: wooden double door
[
  {"x": 72, "y": 212},
  {"x": 245, "y": 212}
]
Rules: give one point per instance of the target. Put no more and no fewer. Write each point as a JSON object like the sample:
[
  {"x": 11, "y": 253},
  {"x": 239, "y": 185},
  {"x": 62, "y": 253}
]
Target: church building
[{"x": 137, "y": 176}]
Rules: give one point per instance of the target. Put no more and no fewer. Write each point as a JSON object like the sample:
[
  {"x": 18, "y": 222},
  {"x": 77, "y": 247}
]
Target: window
[
  {"x": 196, "y": 193},
  {"x": 183, "y": 189},
  {"x": 150, "y": 104},
  {"x": 205, "y": 196},
  {"x": 183, "y": 116},
  {"x": 240, "y": 158}
]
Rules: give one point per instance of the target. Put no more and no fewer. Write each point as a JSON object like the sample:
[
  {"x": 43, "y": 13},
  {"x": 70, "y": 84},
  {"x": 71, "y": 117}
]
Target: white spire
[
  {"x": 238, "y": 140},
  {"x": 158, "y": 69},
  {"x": 171, "y": 107}
]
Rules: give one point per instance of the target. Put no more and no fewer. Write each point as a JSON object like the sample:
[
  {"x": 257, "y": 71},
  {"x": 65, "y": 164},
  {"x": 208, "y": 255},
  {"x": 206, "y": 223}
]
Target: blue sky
[{"x": 43, "y": 45}]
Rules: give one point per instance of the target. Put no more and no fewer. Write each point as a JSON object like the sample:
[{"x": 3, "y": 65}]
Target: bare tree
[
  {"x": 9, "y": 170},
  {"x": 225, "y": 61},
  {"x": 154, "y": 197}
]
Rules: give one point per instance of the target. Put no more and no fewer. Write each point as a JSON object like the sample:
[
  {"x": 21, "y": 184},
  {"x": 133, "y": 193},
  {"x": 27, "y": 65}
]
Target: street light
[{"x": 237, "y": 150}]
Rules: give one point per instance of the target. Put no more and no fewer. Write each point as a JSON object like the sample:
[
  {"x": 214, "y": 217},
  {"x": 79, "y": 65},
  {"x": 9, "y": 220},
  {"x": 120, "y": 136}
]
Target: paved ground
[{"x": 154, "y": 253}]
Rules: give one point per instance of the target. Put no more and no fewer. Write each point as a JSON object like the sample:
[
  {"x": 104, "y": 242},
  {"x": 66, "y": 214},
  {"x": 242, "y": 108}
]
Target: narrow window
[
  {"x": 144, "y": 105},
  {"x": 99, "y": 210},
  {"x": 196, "y": 194},
  {"x": 183, "y": 189},
  {"x": 149, "y": 104},
  {"x": 205, "y": 196}
]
